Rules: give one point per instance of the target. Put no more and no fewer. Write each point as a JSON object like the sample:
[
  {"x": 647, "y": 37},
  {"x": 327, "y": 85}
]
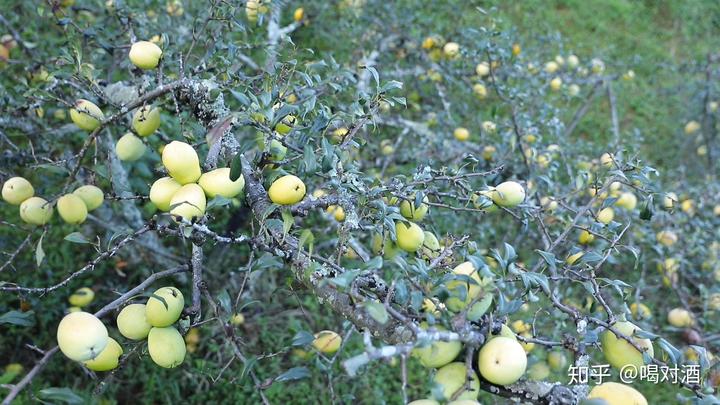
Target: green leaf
[
  {"x": 236, "y": 167},
  {"x": 302, "y": 338},
  {"x": 248, "y": 366},
  {"x": 39, "y": 252},
  {"x": 65, "y": 395},
  {"x": 288, "y": 221},
  {"x": 377, "y": 311},
  {"x": 295, "y": 373},
  {"x": 18, "y": 318},
  {"x": 549, "y": 258},
  {"x": 76, "y": 237},
  {"x": 307, "y": 237}
]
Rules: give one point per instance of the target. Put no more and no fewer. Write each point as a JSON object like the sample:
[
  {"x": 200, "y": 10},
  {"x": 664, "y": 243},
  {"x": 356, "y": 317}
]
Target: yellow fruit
[
  {"x": 489, "y": 127},
  {"x": 108, "y": 359},
  {"x": 480, "y": 91},
  {"x": 538, "y": 371},
  {"x": 129, "y": 147},
  {"x": 482, "y": 69},
  {"x": 327, "y": 342},
  {"x": 286, "y": 125},
  {"x": 606, "y": 215},
  {"x": 339, "y": 134},
  {"x": 92, "y": 196},
  {"x": 166, "y": 347},
  {"x": 299, "y": 14},
  {"x": 452, "y": 377},
  {"x": 557, "y": 360},
  {"x": 409, "y": 211},
  {"x": 508, "y": 194},
  {"x": 607, "y": 160},
  {"x": 16, "y": 190},
  {"x": 36, "y": 211},
  {"x": 132, "y": 322},
  {"x": 571, "y": 259},
  {"x": 287, "y": 190},
  {"x": 617, "y": 394},
  {"x": 217, "y": 182},
  {"x": 716, "y": 210},
  {"x": 573, "y": 61},
  {"x": 619, "y": 352},
  {"x": 556, "y": 84},
  {"x": 145, "y": 55},
  {"x": 438, "y": 353},
  {"x": 691, "y": 127},
  {"x": 488, "y": 152},
  {"x": 629, "y": 75},
  {"x": 666, "y": 238},
  {"x": 586, "y": 237},
  {"x": 174, "y": 8},
  {"x": 188, "y": 202},
  {"x": 451, "y": 50},
  {"x": 688, "y": 206},
  {"x": 627, "y": 200},
  {"x": 162, "y": 191},
  {"x": 81, "y": 336},
  {"x": 431, "y": 246},
  {"x": 181, "y": 162},
  {"x": 409, "y": 235},
  {"x": 237, "y": 319},
  {"x": 161, "y": 314},
  {"x": 86, "y": 115},
  {"x": 72, "y": 209},
  {"x": 82, "y": 297},
  {"x": 548, "y": 203},
  {"x": 527, "y": 346},
  {"x": 680, "y": 318},
  {"x": 573, "y": 90},
  {"x": 516, "y": 49},
  {"x": 502, "y": 361},
  {"x": 146, "y": 120},
  {"x": 597, "y": 66},
  {"x": 640, "y": 311},
  {"x": 337, "y": 212},
  {"x": 669, "y": 200},
  {"x": 472, "y": 289},
  {"x": 461, "y": 134},
  {"x": 193, "y": 336},
  {"x": 551, "y": 67},
  {"x": 251, "y": 10}
]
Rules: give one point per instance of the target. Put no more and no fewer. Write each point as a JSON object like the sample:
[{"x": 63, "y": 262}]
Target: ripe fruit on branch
[
  {"x": 586, "y": 237},
  {"x": 556, "y": 84},
  {"x": 606, "y": 215},
  {"x": 666, "y": 238},
  {"x": 327, "y": 342},
  {"x": 16, "y": 190},
  {"x": 489, "y": 127},
  {"x": 146, "y": 120},
  {"x": 161, "y": 314},
  {"x": 285, "y": 125},
  {"x": 617, "y": 394},
  {"x": 81, "y": 336},
  {"x": 298, "y": 14},
  {"x": 670, "y": 200},
  {"x": 627, "y": 200},
  {"x": 480, "y": 91},
  {"x": 437, "y": 353},
  {"x": 36, "y": 211},
  {"x": 72, "y": 209},
  {"x": 132, "y": 322},
  {"x": 166, "y": 347},
  {"x": 451, "y": 378},
  {"x": 217, "y": 182},
  {"x": 461, "y": 134},
  {"x": 162, "y": 191},
  {"x": 92, "y": 196},
  {"x": 129, "y": 148},
  {"x": 181, "y": 162},
  {"x": 502, "y": 360},
  {"x": 145, "y": 55},
  {"x": 409, "y": 235},
  {"x": 81, "y": 297},
  {"x": 86, "y": 115},
  {"x": 482, "y": 69},
  {"x": 691, "y": 127},
  {"x": 409, "y": 211},
  {"x": 451, "y": 50},
  {"x": 551, "y": 67},
  {"x": 508, "y": 194},
  {"x": 337, "y": 212},
  {"x": 472, "y": 288},
  {"x": 287, "y": 190},
  {"x": 108, "y": 359},
  {"x": 680, "y": 318},
  {"x": 619, "y": 352}
]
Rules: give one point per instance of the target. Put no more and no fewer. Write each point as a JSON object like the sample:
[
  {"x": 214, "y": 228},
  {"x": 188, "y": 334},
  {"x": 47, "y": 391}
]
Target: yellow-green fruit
[
  {"x": 627, "y": 200},
  {"x": 36, "y": 211},
  {"x": 691, "y": 127},
  {"x": 337, "y": 212},
  {"x": 387, "y": 246},
  {"x": 287, "y": 190},
  {"x": 161, "y": 314},
  {"x": 181, "y": 162},
  {"x": 508, "y": 194},
  {"x": 410, "y": 236},
  {"x": 619, "y": 352},
  {"x": 81, "y": 336},
  {"x": 557, "y": 360},
  {"x": 424, "y": 402},
  {"x": 431, "y": 246},
  {"x": 285, "y": 125},
  {"x": 667, "y": 238},
  {"x": 86, "y": 115},
  {"x": 640, "y": 311},
  {"x": 166, "y": 347},
  {"x": 82, "y": 297},
  {"x": 132, "y": 322},
  {"x": 472, "y": 290},
  {"x": 108, "y": 359},
  {"x": 237, "y": 319},
  {"x": 146, "y": 120},
  {"x": 438, "y": 353},
  {"x": 162, "y": 191},
  {"x": 277, "y": 150},
  {"x": 92, "y": 196},
  {"x": 669, "y": 200},
  {"x": 606, "y": 215},
  {"x": 188, "y": 202},
  {"x": 451, "y": 50},
  {"x": 502, "y": 360},
  {"x": 217, "y": 182},
  {"x": 480, "y": 91},
  {"x": 482, "y": 69},
  {"x": 72, "y": 209},
  {"x": 461, "y": 134},
  {"x": 538, "y": 371},
  {"x": 556, "y": 84},
  {"x": 16, "y": 190},
  {"x": 145, "y": 54},
  {"x": 452, "y": 378},
  {"x": 617, "y": 394},
  {"x": 409, "y": 211},
  {"x": 129, "y": 148},
  {"x": 586, "y": 237},
  {"x": 680, "y": 318},
  {"x": 327, "y": 341}
]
